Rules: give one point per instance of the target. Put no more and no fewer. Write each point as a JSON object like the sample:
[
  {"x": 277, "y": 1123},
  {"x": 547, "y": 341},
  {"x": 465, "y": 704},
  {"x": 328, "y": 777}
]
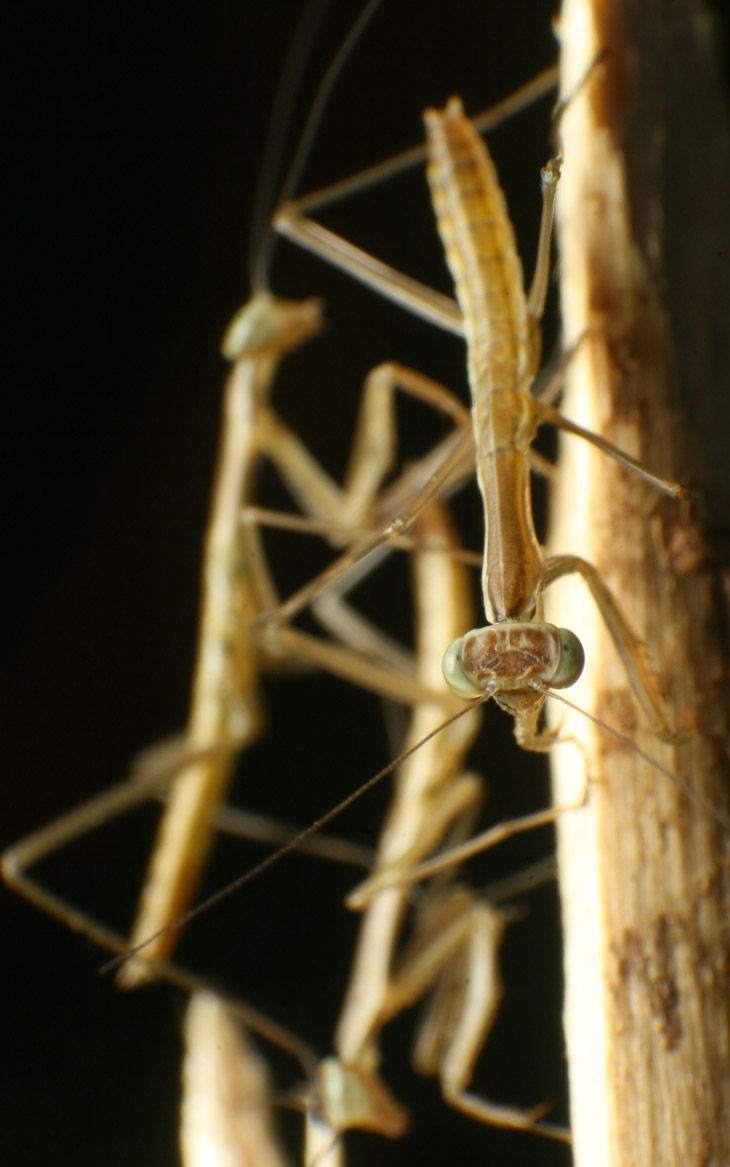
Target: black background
[{"x": 137, "y": 139}]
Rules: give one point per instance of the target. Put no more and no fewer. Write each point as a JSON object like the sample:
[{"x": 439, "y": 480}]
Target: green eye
[
  {"x": 572, "y": 659},
  {"x": 458, "y": 681}
]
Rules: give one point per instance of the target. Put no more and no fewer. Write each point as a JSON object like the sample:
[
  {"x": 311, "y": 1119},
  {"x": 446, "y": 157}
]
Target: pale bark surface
[{"x": 644, "y": 238}]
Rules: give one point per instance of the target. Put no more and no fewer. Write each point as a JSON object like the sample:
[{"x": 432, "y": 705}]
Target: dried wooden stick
[{"x": 644, "y": 235}]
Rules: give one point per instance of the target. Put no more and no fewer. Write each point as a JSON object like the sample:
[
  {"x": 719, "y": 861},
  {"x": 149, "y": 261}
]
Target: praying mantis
[
  {"x": 151, "y": 732},
  {"x": 128, "y": 511}
]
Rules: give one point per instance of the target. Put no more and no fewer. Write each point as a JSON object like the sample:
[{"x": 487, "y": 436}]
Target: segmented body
[{"x": 502, "y": 353}]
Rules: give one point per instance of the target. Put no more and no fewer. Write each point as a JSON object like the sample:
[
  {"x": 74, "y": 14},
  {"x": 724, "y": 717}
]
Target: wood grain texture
[{"x": 643, "y": 224}]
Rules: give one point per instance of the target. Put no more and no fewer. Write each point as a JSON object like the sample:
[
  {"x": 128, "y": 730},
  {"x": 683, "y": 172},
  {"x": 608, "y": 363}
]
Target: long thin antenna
[
  {"x": 280, "y": 118},
  {"x": 263, "y": 238},
  {"x": 288, "y": 847}
]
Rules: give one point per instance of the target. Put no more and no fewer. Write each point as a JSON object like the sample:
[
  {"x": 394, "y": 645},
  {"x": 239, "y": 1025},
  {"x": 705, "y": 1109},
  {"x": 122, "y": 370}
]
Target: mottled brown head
[{"x": 514, "y": 663}]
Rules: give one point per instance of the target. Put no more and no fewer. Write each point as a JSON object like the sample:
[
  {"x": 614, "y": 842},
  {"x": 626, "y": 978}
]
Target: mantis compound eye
[
  {"x": 572, "y": 659},
  {"x": 455, "y": 675}
]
